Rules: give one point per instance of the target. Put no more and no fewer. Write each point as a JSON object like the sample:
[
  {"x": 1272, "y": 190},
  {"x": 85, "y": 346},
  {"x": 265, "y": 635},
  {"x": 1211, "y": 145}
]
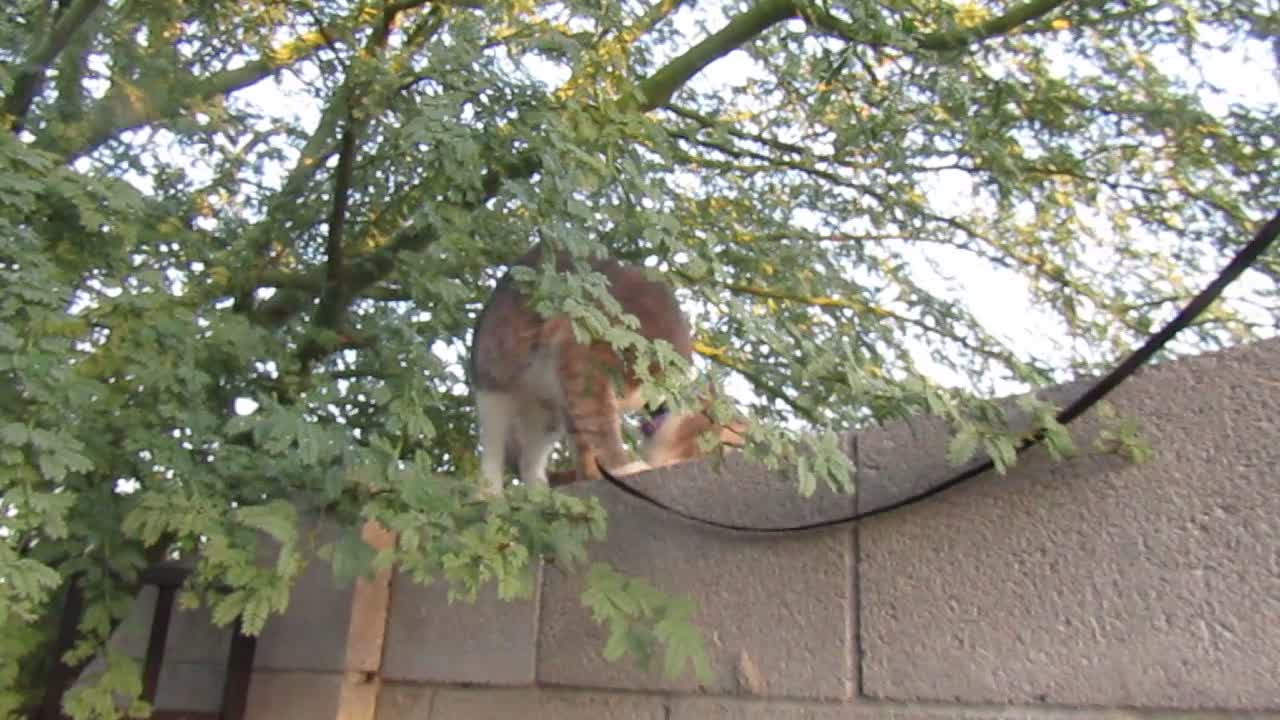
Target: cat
[
  {"x": 534, "y": 382},
  {"x": 673, "y": 437}
]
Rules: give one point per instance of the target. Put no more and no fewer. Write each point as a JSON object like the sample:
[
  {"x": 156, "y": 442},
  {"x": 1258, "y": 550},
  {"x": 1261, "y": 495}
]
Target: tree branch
[
  {"x": 863, "y": 308},
  {"x": 318, "y": 148},
  {"x": 657, "y": 89},
  {"x": 29, "y": 79},
  {"x": 336, "y": 296},
  {"x": 956, "y": 39},
  {"x": 368, "y": 269},
  {"x": 333, "y": 300},
  {"x": 655, "y": 14},
  {"x": 757, "y": 380},
  {"x": 128, "y": 106},
  {"x": 946, "y": 40}
]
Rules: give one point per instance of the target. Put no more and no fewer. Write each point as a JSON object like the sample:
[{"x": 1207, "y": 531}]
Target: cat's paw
[
  {"x": 631, "y": 468},
  {"x": 488, "y": 491}
]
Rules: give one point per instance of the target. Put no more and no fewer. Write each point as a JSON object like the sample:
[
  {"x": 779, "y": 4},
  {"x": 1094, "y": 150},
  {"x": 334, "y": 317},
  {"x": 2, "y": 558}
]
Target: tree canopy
[{"x": 243, "y": 244}]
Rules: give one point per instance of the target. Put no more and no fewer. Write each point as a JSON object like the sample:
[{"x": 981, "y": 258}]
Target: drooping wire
[{"x": 1247, "y": 256}]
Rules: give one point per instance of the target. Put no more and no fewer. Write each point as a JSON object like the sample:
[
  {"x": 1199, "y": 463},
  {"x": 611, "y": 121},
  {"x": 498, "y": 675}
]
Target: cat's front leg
[{"x": 592, "y": 410}]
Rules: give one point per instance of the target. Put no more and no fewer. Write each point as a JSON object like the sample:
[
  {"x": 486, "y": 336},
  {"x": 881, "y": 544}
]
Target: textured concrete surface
[
  {"x": 195, "y": 662},
  {"x": 430, "y": 640},
  {"x": 193, "y": 638},
  {"x": 736, "y": 709},
  {"x": 734, "y": 489},
  {"x": 1153, "y": 590},
  {"x": 1094, "y": 582},
  {"x": 287, "y": 695},
  {"x": 425, "y": 702},
  {"x": 311, "y": 696},
  {"x": 687, "y": 708},
  {"x": 134, "y": 630},
  {"x": 908, "y": 457},
  {"x": 775, "y": 612},
  {"x": 297, "y": 696},
  {"x": 191, "y": 686},
  {"x": 313, "y": 633},
  {"x": 415, "y": 702},
  {"x": 195, "y": 654},
  {"x": 131, "y": 634}
]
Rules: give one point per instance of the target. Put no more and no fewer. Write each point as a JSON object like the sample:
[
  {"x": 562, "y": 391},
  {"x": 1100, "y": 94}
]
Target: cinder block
[
  {"x": 1095, "y": 582},
  {"x": 134, "y": 631},
  {"x": 130, "y": 637},
  {"x": 312, "y": 633},
  {"x": 488, "y": 642},
  {"x": 732, "y": 709},
  {"x": 329, "y": 626},
  {"x": 194, "y": 639},
  {"x": 293, "y": 696},
  {"x": 311, "y": 696},
  {"x": 191, "y": 686},
  {"x": 775, "y": 611},
  {"x": 736, "y": 709},
  {"x": 415, "y": 702},
  {"x": 398, "y": 701}
]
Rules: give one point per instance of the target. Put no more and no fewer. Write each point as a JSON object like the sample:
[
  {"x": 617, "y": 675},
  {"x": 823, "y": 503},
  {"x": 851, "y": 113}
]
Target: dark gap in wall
[{"x": 855, "y": 599}]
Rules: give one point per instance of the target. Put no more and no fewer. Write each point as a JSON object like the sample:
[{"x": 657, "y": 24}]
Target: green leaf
[
  {"x": 352, "y": 556},
  {"x": 1002, "y": 451},
  {"x": 13, "y": 433},
  {"x": 963, "y": 445},
  {"x": 616, "y": 645},
  {"x": 278, "y": 519},
  {"x": 808, "y": 483}
]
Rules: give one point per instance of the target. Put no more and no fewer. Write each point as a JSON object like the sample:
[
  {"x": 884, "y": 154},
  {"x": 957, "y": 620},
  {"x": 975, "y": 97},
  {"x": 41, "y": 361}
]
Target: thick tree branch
[
  {"x": 315, "y": 152},
  {"x": 956, "y": 39},
  {"x": 336, "y": 296},
  {"x": 657, "y": 89},
  {"x": 130, "y": 105},
  {"x": 947, "y": 40},
  {"x": 333, "y": 300},
  {"x": 68, "y": 88},
  {"x": 29, "y": 78}
]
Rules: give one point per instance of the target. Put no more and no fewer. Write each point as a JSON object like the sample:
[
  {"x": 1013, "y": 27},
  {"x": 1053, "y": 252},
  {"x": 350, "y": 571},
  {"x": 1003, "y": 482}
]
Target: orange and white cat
[{"x": 534, "y": 382}]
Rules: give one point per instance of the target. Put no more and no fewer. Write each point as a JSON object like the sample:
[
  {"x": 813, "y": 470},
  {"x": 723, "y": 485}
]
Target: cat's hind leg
[
  {"x": 496, "y": 413},
  {"x": 538, "y": 429}
]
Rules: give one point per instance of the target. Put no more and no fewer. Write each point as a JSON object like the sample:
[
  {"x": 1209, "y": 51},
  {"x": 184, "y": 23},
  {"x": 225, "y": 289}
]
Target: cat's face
[{"x": 676, "y": 437}]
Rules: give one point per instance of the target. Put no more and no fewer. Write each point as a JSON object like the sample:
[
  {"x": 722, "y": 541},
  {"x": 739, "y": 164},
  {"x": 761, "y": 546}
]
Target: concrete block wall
[
  {"x": 1092, "y": 588},
  {"x": 195, "y": 654}
]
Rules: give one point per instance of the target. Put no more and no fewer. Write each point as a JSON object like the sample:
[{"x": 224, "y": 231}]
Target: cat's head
[{"x": 672, "y": 437}]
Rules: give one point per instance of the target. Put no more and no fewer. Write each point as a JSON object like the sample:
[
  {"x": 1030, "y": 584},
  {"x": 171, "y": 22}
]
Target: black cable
[{"x": 1241, "y": 262}]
